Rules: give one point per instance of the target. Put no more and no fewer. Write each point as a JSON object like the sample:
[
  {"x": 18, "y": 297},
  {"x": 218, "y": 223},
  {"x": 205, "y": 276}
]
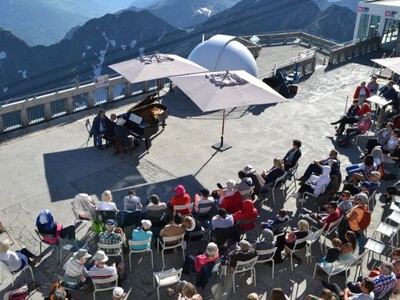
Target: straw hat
[{"x": 100, "y": 256}]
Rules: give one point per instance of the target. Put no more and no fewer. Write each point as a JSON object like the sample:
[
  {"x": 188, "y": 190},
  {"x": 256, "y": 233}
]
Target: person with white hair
[
  {"x": 118, "y": 293},
  {"x": 243, "y": 252},
  {"x": 107, "y": 203},
  {"x": 200, "y": 260},
  {"x": 83, "y": 202},
  {"x": 16, "y": 261}
]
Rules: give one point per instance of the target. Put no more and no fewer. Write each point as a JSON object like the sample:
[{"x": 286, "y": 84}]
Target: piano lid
[{"x": 148, "y": 100}]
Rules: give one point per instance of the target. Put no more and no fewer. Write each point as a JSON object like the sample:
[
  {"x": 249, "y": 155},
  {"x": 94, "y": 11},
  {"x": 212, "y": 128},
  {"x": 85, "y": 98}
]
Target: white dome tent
[{"x": 223, "y": 52}]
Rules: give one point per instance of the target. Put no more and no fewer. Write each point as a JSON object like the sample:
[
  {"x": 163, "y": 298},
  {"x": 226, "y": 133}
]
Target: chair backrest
[
  {"x": 49, "y": 239},
  {"x": 314, "y": 235},
  {"x": 139, "y": 243},
  {"x": 332, "y": 226},
  {"x": 109, "y": 247},
  {"x": 270, "y": 252},
  {"x": 279, "y": 181},
  {"x": 298, "y": 242},
  {"x": 242, "y": 266},
  {"x": 221, "y": 235},
  {"x": 156, "y": 214},
  {"x": 291, "y": 171},
  {"x": 183, "y": 207},
  {"x": 80, "y": 213},
  {"x": 247, "y": 192},
  {"x": 98, "y": 282},
  {"x": 243, "y": 222},
  {"x": 176, "y": 238},
  {"x": 175, "y": 276},
  {"x": 108, "y": 214},
  {"x": 204, "y": 233},
  {"x": 205, "y": 208}
]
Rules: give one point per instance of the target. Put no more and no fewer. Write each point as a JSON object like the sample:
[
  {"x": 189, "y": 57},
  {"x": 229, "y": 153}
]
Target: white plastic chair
[
  {"x": 387, "y": 230},
  {"x": 78, "y": 213},
  {"x": 278, "y": 185},
  {"x": 163, "y": 242},
  {"x": 140, "y": 243},
  {"x": 110, "y": 248},
  {"x": 374, "y": 246},
  {"x": 331, "y": 229},
  {"x": 291, "y": 174},
  {"x": 183, "y": 207},
  {"x": 393, "y": 217},
  {"x": 295, "y": 249},
  {"x": 244, "y": 266},
  {"x": 312, "y": 237},
  {"x": 334, "y": 268},
  {"x": 41, "y": 237},
  {"x": 271, "y": 253},
  {"x": 166, "y": 278},
  {"x": 99, "y": 283},
  {"x": 4, "y": 269},
  {"x": 246, "y": 194}
]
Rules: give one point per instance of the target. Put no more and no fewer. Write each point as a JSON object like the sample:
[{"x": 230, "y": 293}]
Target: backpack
[{"x": 365, "y": 220}]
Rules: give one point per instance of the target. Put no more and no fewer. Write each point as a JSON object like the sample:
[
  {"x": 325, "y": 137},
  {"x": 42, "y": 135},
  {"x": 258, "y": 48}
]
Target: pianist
[
  {"x": 120, "y": 131},
  {"x": 102, "y": 127}
]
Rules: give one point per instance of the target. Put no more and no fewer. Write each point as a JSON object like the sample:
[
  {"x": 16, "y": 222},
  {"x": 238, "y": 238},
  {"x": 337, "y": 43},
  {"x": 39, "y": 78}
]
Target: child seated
[
  {"x": 333, "y": 253},
  {"x": 281, "y": 218}
]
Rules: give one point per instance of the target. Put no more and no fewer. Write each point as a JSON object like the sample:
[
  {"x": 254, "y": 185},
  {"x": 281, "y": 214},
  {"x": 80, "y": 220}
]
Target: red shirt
[
  {"x": 202, "y": 259},
  {"x": 332, "y": 218}
]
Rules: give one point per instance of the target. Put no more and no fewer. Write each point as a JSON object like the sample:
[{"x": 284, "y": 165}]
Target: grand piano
[{"x": 144, "y": 118}]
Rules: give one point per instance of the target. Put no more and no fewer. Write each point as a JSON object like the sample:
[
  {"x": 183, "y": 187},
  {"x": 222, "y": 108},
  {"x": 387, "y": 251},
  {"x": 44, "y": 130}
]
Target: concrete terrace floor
[{"x": 45, "y": 165}]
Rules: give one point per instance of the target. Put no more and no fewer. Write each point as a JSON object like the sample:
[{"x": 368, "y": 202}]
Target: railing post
[
  {"x": 145, "y": 86},
  {"x": 128, "y": 89},
  {"x": 70, "y": 104},
  {"x": 47, "y": 111},
  {"x": 90, "y": 100},
  {"x": 24, "y": 117},
  {"x": 1, "y": 124},
  {"x": 110, "y": 94}
]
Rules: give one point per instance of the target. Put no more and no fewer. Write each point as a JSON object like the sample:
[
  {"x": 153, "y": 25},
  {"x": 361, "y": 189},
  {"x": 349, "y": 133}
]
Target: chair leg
[
  {"x": 291, "y": 260},
  {"x": 158, "y": 292},
  {"x": 162, "y": 256},
  {"x": 273, "y": 269},
  {"x": 152, "y": 261},
  {"x": 33, "y": 277},
  {"x": 130, "y": 262},
  {"x": 233, "y": 279},
  {"x": 315, "y": 270},
  {"x": 255, "y": 279},
  {"x": 183, "y": 253}
]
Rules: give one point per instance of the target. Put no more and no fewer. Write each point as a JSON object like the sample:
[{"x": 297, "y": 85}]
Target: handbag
[
  {"x": 97, "y": 226},
  {"x": 291, "y": 238}
]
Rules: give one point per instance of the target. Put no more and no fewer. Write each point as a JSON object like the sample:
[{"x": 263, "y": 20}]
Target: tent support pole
[{"x": 221, "y": 146}]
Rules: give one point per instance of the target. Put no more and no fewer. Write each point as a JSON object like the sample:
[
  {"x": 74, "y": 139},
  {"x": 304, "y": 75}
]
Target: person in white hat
[
  {"x": 141, "y": 234},
  {"x": 118, "y": 293},
  {"x": 100, "y": 269}
]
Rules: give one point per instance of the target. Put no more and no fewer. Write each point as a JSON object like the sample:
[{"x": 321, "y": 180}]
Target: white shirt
[
  {"x": 103, "y": 205},
  {"x": 13, "y": 260}
]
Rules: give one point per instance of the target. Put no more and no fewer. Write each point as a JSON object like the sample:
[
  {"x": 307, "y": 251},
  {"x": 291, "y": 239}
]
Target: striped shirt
[
  {"x": 384, "y": 283},
  {"x": 104, "y": 271},
  {"x": 74, "y": 268}
]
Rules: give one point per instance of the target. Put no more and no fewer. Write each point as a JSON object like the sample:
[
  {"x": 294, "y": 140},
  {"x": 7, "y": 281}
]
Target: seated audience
[
  {"x": 107, "y": 203},
  {"x": 243, "y": 252},
  {"x": 256, "y": 178},
  {"x": 382, "y": 137},
  {"x": 180, "y": 198},
  {"x": 389, "y": 93},
  {"x": 362, "y": 92},
  {"x": 245, "y": 184},
  {"x": 155, "y": 203},
  {"x": 293, "y": 155},
  {"x": 83, "y": 202},
  {"x": 324, "y": 219},
  {"x": 366, "y": 288},
  {"x": 231, "y": 202},
  {"x": 75, "y": 266},
  {"x": 365, "y": 168},
  {"x": 324, "y": 295},
  {"x": 248, "y": 212},
  {"x": 132, "y": 202},
  {"x": 132, "y": 210},
  {"x": 142, "y": 233},
  {"x": 253, "y": 296},
  {"x": 316, "y": 167},
  {"x": 348, "y": 120},
  {"x": 112, "y": 235},
  {"x": 222, "y": 219},
  {"x": 362, "y": 127},
  {"x": 16, "y": 261},
  {"x": 368, "y": 186},
  {"x": 265, "y": 243},
  {"x": 333, "y": 253},
  {"x": 197, "y": 263},
  {"x": 272, "y": 174},
  {"x": 46, "y": 225},
  {"x": 100, "y": 269},
  {"x": 174, "y": 228},
  {"x": 316, "y": 184},
  {"x": 349, "y": 247},
  {"x": 281, "y": 218},
  {"x": 185, "y": 291},
  {"x": 278, "y": 294},
  {"x": 392, "y": 190},
  {"x": 118, "y": 293},
  {"x": 203, "y": 198}
]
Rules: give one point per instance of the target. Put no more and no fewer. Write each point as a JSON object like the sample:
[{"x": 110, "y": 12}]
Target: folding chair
[
  {"x": 295, "y": 249},
  {"x": 99, "y": 284},
  {"x": 112, "y": 250},
  {"x": 244, "y": 266},
  {"x": 42, "y": 241},
  {"x": 4, "y": 269},
  {"x": 140, "y": 243},
  {"x": 271, "y": 253},
  {"x": 166, "y": 278},
  {"x": 163, "y": 242}
]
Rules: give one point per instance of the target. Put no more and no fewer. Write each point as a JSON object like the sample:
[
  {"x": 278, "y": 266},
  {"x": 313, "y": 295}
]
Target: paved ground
[{"x": 46, "y": 165}]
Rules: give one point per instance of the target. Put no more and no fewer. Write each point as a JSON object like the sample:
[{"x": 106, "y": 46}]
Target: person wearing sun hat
[
  {"x": 100, "y": 269},
  {"x": 75, "y": 266},
  {"x": 141, "y": 234},
  {"x": 118, "y": 293}
]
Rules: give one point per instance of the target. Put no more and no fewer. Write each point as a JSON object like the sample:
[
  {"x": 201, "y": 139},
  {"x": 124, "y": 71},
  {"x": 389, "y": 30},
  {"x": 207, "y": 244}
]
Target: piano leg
[{"x": 148, "y": 143}]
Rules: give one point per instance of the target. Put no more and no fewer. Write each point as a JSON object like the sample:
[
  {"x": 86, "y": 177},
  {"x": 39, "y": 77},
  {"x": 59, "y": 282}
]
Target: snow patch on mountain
[
  {"x": 3, "y": 55},
  {"x": 23, "y": 72},
  {"x": 203, "y": 11}
]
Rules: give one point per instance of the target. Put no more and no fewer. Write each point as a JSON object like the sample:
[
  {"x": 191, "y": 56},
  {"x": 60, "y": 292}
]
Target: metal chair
[
  {"x": 140, "y": 243},
  {"x": 157, "y": 216},
  {"x": 271, "y": 253},
  {"x": 112, "y": 249},
  {"x": 100, "y": 282},
  {"x": 334, "y": 268},
  {"x": 251, "y": 234},
  {"x": 4, "y": 269},
  {"x": 205, "y": 210},
  {"x": 331, "y": 229},
  {"x": 387, "y": 230},
  {"x": 393, "y": 217},
  {"x": 312, "y": 237},
  {"x": 246, "y": 194},
  {"x": 278, "y": 185},
  {"x": 42, "y": 241},
  {"x": 244, "y": 266},
  {"x": 291, "y": 173},
  {"x": 163, "y": 242},
  {"x": 374, "y": 246},
  {"x": 166, "y": 278},
  {"x": 66, "y": 246},
  {"x": 296, "y": 249},
  {"x": 83, "y": 216},
  {"x": 183, "y": 207},
  {"x": 204, "y": 234}
]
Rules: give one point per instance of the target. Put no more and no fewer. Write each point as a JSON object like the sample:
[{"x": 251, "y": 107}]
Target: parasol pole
[{"x": 221, "y": 146}]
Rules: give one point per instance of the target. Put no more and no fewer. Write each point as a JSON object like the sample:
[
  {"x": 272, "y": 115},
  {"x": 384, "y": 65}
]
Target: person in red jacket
[
  {"x": 180, "y": 198},
  {"x": 362, "y": 93},
  {"x": 248, "y": 212},
  {"x": 232, "y": 204}
]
